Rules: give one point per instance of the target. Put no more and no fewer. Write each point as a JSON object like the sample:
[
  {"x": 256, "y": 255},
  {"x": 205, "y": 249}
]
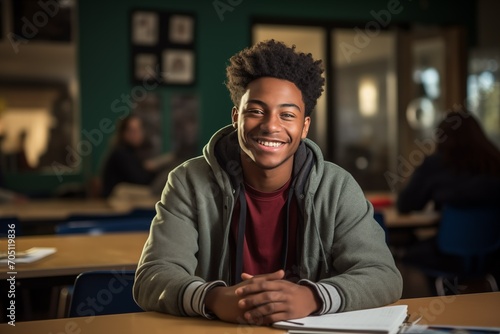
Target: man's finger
[
  {"x": 280, "y": 274},
  {"x": 255, "y": 300},
  {"x": 246, "y": 276},
  {"x": 262, "y": 314},
  {"x": 255, "y": 287}
]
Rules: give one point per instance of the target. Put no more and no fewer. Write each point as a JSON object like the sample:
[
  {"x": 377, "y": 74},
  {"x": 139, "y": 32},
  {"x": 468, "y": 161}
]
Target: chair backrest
[
  {"x": 379, "y": 217},
  {"x": 103, "y": 292},
  {"x": 86, "y": 217},
  {"x": 133, "y": 224},
  {"x": 138, "y": 212},
  {"x": 472, "y": 232}
]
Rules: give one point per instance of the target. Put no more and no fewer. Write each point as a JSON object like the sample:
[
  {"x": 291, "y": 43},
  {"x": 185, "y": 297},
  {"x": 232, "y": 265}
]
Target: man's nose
[{"x": 271, "y": 123}]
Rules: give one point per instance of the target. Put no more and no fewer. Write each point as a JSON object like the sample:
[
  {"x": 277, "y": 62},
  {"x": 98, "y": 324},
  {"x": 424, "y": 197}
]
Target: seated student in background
[
  {"x": 464, "y": 170},
  {"x": 260, "y": 228},
  {"x": 127, "y": 160}
]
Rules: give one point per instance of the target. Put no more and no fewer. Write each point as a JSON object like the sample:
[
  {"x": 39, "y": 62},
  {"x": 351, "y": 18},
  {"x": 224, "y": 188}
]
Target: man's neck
[{"x": 266, "y": 180}]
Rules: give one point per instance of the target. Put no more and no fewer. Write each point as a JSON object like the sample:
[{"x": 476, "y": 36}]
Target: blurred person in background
[
  {"x": 463, "y": 170},
  {"x": 7, "y": 195},
  {"x": 128, "y": 160}
]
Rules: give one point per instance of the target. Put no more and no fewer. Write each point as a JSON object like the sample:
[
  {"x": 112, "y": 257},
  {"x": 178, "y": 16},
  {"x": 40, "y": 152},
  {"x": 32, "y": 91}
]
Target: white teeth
[{"x": 270, "y": 143}]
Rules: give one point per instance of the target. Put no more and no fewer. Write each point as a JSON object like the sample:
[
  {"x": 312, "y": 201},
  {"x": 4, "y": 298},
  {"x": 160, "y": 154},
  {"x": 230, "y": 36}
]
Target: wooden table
[
  {"x": 395, "y": 220},
  {"x": 477, "y": 309},
  {"x": 78, "y": 253},
  {"x": 467, "y": 310},
  {"x": 61, "y": 209}
]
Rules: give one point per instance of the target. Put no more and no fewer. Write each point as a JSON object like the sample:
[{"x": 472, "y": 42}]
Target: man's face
[{"x": 271, "y": 122}]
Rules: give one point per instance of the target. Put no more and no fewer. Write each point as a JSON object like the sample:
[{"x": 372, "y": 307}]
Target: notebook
[{"x": 381, "y": 320}]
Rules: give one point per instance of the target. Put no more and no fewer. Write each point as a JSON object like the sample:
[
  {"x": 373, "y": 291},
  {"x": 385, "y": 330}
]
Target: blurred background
[{"x": 69, "y": 70}]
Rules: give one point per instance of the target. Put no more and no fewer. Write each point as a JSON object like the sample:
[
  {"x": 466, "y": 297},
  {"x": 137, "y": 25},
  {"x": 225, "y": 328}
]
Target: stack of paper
[
  {"x": 31, "y": 255},
  {"x": 383, "y": 320}
]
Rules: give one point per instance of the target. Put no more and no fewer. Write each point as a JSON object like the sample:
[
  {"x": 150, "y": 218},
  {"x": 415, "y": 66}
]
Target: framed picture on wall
[
  {"x": 145, "y": 28},
  {"x": 181, "y": 29},
  {"x": 146, "y": 66},
  {"x": 163, "y": 47},
  {"x": 178, "y": 66}
]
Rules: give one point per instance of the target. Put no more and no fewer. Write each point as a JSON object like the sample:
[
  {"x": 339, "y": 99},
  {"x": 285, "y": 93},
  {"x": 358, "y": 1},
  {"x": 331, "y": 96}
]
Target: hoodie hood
[{"x": 223, "y": 155}]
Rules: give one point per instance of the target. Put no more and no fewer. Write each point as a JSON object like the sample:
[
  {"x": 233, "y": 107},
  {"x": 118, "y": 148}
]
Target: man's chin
[{"x": 268, "y": 165}]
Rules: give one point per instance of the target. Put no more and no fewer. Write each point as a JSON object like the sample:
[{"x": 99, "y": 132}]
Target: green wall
[{"x": 104, "y": 62}]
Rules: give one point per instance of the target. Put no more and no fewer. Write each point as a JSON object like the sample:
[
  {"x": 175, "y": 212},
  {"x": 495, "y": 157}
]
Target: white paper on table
[
  {"x": 387, "y": 319},
  {"x": 31, "y": 255}
]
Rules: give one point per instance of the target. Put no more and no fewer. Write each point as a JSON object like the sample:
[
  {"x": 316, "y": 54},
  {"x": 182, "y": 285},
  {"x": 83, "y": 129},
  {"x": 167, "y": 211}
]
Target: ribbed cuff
[
  {"x": 194, "y": 298},
  {"x": 328, "y": 295}
]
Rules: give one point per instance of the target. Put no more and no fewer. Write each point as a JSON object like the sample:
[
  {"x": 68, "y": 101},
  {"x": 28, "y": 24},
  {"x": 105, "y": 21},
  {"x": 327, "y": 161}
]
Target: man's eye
[
  {"x": 255, "y": 111},
  {"x": 287, "y": 115}
]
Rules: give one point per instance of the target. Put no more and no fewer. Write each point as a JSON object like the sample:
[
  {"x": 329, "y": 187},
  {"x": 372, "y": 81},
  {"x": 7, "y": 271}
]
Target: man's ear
[
  {"x": 305, "y": 128},
  {"x": 234, "y": 117}
]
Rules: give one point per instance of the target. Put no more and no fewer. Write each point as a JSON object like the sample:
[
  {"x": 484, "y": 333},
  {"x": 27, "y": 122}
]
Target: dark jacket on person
[
  {"x": 124, "y": 165},
  {"x": 434, "y": 181}
]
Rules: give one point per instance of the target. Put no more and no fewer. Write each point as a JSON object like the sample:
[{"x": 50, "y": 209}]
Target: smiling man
[{"x": 260, "y": 228}]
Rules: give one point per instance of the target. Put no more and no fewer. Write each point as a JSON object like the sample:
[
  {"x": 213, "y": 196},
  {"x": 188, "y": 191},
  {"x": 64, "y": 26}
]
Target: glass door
[{"x": 364, "y": 100}]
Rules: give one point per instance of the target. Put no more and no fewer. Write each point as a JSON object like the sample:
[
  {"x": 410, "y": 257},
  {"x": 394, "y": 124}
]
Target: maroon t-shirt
[{"x": 265, "y": 223}]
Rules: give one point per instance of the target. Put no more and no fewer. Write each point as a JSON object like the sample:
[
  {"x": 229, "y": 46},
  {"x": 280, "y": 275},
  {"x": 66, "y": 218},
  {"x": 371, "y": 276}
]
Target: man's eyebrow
[{"x": 283, "y": 105}]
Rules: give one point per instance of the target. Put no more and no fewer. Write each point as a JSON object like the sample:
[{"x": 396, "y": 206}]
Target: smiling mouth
[{"x": 270, "y": 143}]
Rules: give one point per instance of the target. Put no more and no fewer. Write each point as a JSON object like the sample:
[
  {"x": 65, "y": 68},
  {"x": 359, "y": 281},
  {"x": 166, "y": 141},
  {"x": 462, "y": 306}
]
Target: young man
[{"x": 260, "y": 228}]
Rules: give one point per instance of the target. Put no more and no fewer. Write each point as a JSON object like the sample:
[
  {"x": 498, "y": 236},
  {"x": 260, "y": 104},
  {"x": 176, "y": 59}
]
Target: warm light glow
[
  {"x": 35, "y": 123},
  {"x": 368, "y": 97}
]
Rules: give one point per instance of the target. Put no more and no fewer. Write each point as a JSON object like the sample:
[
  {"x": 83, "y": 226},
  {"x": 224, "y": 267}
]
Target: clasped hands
[{"x": 262, "y": 300}]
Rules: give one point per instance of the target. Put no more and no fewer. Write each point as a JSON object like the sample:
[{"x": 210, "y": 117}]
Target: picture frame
[
  {"x": 145, "y": 28},
  {"x": 181, "y": 29},
  {"x": 162, "y": 47},
  {"x": 178, "y": 66},
  {"x": 145, "y": 66}
]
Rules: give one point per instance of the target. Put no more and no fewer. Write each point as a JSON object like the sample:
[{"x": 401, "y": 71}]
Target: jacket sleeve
[
  {"x": 165, "y": 278},
  {"x": 364, "y": 271}
]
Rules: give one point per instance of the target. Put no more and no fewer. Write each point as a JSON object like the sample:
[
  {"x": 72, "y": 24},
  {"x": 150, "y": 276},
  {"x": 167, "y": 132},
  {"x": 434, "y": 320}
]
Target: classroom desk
[
  {"x": 475, "y": 309},
  {"x": 467, "y": 310},
  {"x": 79, "y": 253},
  {"x": 395, "y": 220},
  {"x": 61, "y": 209}
]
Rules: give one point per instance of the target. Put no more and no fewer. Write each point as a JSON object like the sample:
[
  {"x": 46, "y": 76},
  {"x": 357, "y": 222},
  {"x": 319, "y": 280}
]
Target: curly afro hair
[{"x": 275, "y": 59}]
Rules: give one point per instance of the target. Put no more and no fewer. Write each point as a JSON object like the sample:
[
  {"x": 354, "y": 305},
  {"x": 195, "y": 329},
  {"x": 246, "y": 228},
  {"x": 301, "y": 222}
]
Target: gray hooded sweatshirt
[{"x": 342, "y": 252}]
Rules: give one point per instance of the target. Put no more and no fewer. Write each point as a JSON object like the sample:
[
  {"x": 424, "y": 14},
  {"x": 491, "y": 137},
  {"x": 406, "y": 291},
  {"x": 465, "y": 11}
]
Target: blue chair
[
  {"x": 135, "y": 213},
  {"x": 148, "y": 213},
  {"x": 131, "y": 224},
  {"x": 110, "y": 291},
  {"x": 464, "y": 248},
  {"x": 95, "y": 227},
  {"x": 379, "y": 217}
]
